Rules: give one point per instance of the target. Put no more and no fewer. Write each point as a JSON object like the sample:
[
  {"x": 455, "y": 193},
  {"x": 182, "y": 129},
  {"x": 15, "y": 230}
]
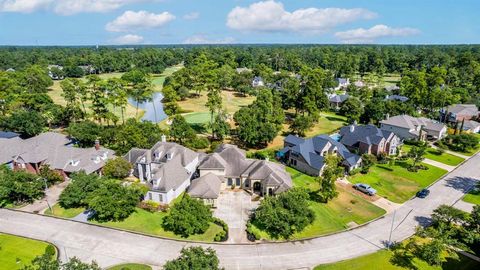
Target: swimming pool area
[{"x": 336, "y": 137}]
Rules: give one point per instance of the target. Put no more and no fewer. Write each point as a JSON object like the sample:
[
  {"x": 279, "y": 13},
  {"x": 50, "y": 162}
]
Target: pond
[{"x": 150, "y": 109}]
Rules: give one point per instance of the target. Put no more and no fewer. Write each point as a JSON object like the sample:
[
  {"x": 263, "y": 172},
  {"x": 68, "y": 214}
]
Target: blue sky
[{"x": 91, "y": 22}]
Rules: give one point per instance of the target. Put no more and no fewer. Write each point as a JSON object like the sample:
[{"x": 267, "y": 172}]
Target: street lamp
[{"x": 46, "y": 188}]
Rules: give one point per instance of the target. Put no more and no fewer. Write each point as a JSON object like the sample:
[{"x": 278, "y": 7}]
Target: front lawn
[
  {"x": 130, "y": 266},
  {"x": 381, "y": 260},
  {"x": 473, "y": 196},
  {"x": 151, "y": 223},
  {"x": 436, "y": 155},
  {"x": 16, "y": 252},
  {"x": 395, "y": 182},
  {"x": 62, "y": 212},
  {"x": 334, "y": 216}
]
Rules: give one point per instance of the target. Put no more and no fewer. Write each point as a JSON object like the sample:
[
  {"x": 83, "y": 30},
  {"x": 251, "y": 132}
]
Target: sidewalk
[
  {"x": 464, "y": 206},
  {"x": 51, "y": 195},
  {"x": 439, "y": 164},
  {"x": 452, "y": 153}
]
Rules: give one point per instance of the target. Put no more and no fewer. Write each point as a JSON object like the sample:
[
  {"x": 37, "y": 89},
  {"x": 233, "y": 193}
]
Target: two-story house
[
  {"x": 407, "y": 127},
  {"x": 368, "y": 139},
  {"x": 308, "y": 154},
  {"x": 166, "y": 169}
]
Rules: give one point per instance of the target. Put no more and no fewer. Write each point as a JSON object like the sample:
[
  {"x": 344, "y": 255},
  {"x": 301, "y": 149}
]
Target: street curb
[
  {"x": 186, "y": 241},
  {"x": 33, "y": 239}
]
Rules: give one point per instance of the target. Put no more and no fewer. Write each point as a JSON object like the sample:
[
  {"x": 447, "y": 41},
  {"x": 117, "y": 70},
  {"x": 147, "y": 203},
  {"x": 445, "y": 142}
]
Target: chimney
[
  {"x": 387, "y": 116},
  {"x": 164, "y": 138},
  {"x": 352, "y": 127},
  {"x": 97, "y": 144}
]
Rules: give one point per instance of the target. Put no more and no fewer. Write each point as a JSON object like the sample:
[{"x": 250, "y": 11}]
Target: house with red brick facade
[{"x": 369, "y": 139}]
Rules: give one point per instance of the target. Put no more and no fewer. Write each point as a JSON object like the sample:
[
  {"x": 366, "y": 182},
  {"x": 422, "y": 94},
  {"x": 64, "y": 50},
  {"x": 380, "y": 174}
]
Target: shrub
[
  {"x": 113, "y": 201},
  {"x": 149, "y": 206},
  {"x": 262, "y": 154},
  {"x": 221, "y": 236},
  {"x": 188, "y": 217},
  {"x": 117, "y": 168},
  {"x": 252, "y": 234},
  {"x": 285, "y": 214},
  {"x": 198, "y": 143},
  {"x": 50, "y": 250},
  {"x": 354, "y": 171},
  {"x": 51, "y": 176}
]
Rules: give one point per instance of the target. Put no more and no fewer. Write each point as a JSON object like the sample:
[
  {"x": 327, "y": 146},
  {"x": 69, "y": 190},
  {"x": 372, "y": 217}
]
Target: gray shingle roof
[
  {"x": 54, "y": 150},
  {"x": 205, "y": 187},
  {"x": 468, "y": 125},
  {"x": 171, "y": 175},
  {"x": 464, "y": 109},
  {"x": 368, "y": 134},
  {"x": 310, "y": 148},
  {"x": 338, "y": 98},
  {"x": 410, "y": 122},
  {"x": 233, "y": 160}
]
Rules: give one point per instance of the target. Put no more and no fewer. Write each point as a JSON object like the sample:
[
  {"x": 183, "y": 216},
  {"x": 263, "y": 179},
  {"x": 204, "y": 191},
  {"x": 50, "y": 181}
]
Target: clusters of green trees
[
  {"x": 111, "y": 200},
  {"x": 451, "y": 229},
  {"x": 19, "y": 187},
  {"x": 188, "y": 217},
  {"x": 120, "y": 138},
  {"x": 283, "y": 215},
  {"x": 194, "y": 258},
  {"x": 460, "y": 142}
]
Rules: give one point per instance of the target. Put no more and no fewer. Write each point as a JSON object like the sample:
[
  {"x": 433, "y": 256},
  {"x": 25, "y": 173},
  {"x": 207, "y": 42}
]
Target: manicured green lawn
[
  {"x": 473, "y": 196},
  {"x": 327, "y": 123},
  {"x": 396, "y": 183},
  {"x": 62, "y": 212},
  {"x": 381, "y": 260},
  {"x": 130, "y": 266},
  {"x": 336, "y": 214},
  {"x": 16, "y": 252},
  {"x": 197, "y": 118},
  {"x": 302, "y": 180},
  {"x": 151, "y": 223},
  {"x": 434, "y": 154}
]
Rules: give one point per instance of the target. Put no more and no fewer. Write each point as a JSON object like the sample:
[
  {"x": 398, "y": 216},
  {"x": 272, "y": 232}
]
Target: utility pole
[{"x": 391, "y": 230}]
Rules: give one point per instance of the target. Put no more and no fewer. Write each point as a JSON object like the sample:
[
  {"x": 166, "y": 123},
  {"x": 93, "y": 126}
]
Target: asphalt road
[{"x": 109, "y": 247}]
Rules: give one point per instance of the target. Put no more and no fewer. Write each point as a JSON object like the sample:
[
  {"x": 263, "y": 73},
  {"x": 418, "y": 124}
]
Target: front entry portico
[{"x": 257, "y": 187}]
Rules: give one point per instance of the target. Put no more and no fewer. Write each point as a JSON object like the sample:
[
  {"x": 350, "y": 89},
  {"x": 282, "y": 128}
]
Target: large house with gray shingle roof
[
  {"x": 235, "y": 170},
  {"x": 368, "y": 139},
  {"x": 166, "y": 169},
  {"x": 460, "y": 112},
  {"x": 308, "y": 154},
  {"x": 407, "y": 127},
  {"x": 55, "y": 150}
]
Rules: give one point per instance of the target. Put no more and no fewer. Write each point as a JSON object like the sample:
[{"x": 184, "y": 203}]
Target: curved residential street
[{"x": 109, "y": 246}]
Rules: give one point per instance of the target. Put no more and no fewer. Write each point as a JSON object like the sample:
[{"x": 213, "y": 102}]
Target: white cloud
[
  {"x": 128, "y": 40},
  {"x": 201, "y": 39},
  {"x": 131, "y": 20},
  {"x": 24, "y": 6},
  {"x": 191, "y": 16},
  {"x": 271, "y": 16},
  {"x": 65, "y": 7},
  {"x": 361, "y": 35}
]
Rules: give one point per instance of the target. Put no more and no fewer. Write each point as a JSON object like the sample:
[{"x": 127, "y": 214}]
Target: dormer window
[
  {"x": 169, "y": 156},
  {"x": 74, "y": 162},
  {"x": 104, "y": 156},
  {"x": 143, "y": 160},
  {"x": 96, "y": 159}
]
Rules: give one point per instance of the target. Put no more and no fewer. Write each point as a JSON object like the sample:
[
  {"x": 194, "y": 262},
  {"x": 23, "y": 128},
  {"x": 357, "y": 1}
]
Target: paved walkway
[
  {"x": 439, "y": 164},
  {"x": 235, "y": 207},
  {"x": 451, "y": 152},
  {"x": 464, "y": 206},
  {"x": 387, "y": 205},
  {"x": 51, "y": 195}
]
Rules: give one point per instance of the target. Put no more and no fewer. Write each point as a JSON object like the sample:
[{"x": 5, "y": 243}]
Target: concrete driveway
[
  {"x": 109, "y": 247},
  {"x": 51, "y": 195},
  {"x": 234, "y": 207}
]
